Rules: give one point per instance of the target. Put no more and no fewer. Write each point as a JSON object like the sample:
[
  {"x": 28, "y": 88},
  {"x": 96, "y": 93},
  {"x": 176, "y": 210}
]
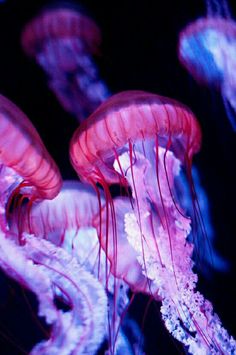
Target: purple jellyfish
[{"x": 63, "y": 41}]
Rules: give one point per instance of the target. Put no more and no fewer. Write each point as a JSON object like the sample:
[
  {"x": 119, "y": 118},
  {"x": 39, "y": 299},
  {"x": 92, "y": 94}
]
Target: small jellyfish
[
  {"x": 63, "y": 41},
  {"x": 207, "y": 49},
  {"x": 143, "y": 141}
]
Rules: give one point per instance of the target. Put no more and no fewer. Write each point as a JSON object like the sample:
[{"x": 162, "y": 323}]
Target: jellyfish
[
  {"x": 207, "y": 49},
  {"x": 67, "y": 222},
  {"x": 63, "y": 41},
  {"x": 28, "y": 171},
  {"x": 26, "y": 168},
  {"x": 142, "y": 141}
]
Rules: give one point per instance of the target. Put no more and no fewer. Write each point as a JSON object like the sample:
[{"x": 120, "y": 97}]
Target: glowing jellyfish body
[
  {"x": 25, "y": 165},
  {"x": 63, "y": 41},
  {"x": 207, "y": 49},
  {"x": 143, "y": 140},
  {"x": 67, "y": 222}
]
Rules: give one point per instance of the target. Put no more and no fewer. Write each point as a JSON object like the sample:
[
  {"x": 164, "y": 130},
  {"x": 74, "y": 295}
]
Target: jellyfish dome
[
  {"x": 207, "y": 49},
  {"x": 25, "y": 165},
  {"x": 111, "y": 128},
  {"x": 63, "y": 41}
]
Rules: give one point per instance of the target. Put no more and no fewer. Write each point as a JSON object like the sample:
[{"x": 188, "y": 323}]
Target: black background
[{"x": 139, "y": 51}]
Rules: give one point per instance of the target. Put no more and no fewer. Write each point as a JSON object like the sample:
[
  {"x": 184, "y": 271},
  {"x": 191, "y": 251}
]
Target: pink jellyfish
[
  {"x": 143, "y": 140},
  {"x": 25, "y": 165},
  {"x": 207, "y": 49},
  {"x": 28, "y": 169},
  {"x": 67, "y": 222},
  {"x": 63, "y": 41}
]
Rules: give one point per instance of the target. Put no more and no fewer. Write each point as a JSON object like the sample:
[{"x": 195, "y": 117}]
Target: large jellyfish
[
  {"x": 207, "y": 49},
  {"x": 63, "y": 41},
  {"x": 142, "y": 141},
  {"x": 27, "y": 170}
]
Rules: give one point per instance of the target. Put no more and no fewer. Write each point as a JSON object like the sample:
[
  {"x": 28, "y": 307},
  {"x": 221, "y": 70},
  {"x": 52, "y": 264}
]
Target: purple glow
[{"x": 65, "y": 52}]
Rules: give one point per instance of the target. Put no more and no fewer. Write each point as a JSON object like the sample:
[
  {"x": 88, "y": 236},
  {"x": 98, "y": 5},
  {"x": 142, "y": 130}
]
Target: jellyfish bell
[
  {"x": 67, "y": 222},
  {"x": 111, "y": 129},
  {"x": 207, "y": 49},
  {"x": 63, "y": 40},
  {"x": 26, "y": 166},
  {"x": 144, "y": 140},
  {"x": 76, "y": 24}
]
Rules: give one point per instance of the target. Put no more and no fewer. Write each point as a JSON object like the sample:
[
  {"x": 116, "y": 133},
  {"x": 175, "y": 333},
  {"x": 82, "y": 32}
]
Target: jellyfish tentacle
[
  {"x": 229, "y": 100},
  {"x": 187, "y": 315},
  {"x": 79, "y": 330},
  {"x": 16, "y": 264}
]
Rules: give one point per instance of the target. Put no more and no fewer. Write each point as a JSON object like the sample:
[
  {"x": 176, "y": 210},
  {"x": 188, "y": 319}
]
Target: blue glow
[
  {"x": 204, "y": 237},
  {"x": 193, "y": 50}
]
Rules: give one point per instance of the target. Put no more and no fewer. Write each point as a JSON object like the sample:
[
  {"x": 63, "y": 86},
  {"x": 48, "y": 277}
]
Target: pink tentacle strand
[
  {"x": 79, "y": 331},
  {"x": 187, "y": 315}
]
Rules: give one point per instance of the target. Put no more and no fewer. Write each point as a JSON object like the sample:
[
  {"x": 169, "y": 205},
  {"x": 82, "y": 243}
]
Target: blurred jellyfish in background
[
  {"x": 63, "y": 41},
  {"x": 207, "y": 49}
]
